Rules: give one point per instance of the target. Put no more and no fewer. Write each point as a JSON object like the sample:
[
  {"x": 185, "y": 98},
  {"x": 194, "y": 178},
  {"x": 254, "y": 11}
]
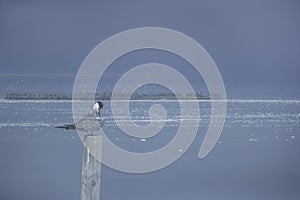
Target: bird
[{"x": 90, "y": 123}]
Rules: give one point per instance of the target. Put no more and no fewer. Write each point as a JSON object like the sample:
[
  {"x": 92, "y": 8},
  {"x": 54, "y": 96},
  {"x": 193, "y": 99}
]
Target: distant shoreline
[{"x": 102, "y": 96}]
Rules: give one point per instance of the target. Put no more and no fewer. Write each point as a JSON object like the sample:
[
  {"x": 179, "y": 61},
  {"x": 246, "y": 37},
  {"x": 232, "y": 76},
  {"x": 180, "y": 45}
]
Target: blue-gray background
[{"x": 255, "y": 44}]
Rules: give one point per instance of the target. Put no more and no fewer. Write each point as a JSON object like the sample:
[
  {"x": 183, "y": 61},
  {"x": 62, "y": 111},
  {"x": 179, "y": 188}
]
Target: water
[{"x": 256, "y": 157}]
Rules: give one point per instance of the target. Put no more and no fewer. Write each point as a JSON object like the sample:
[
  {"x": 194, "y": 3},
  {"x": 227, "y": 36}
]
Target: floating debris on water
[
  {"x": 143, "y": 140},
  {"x": 253, "y": 140}
]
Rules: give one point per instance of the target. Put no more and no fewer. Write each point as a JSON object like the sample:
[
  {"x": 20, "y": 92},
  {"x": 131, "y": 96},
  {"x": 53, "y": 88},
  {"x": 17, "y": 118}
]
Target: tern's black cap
[{"x": 100, "y": 104}]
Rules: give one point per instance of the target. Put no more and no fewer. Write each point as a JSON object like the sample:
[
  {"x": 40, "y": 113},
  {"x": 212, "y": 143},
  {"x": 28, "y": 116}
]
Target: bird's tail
[{"x": 67, "y": 126}]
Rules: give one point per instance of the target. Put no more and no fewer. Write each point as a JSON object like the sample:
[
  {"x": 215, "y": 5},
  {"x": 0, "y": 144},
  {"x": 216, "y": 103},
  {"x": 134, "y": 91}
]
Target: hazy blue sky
[{"x": 254, "y": 43}]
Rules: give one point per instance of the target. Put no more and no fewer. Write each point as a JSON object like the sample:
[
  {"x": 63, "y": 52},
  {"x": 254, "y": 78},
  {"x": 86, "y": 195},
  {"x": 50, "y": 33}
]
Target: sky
[{"x": 255, "y": 44}]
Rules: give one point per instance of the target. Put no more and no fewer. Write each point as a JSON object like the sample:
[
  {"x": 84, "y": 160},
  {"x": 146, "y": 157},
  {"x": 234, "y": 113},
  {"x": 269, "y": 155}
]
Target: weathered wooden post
[{"x": 91, "y": 167}]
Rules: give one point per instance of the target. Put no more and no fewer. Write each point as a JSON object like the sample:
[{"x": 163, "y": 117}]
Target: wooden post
[{"x": 91, "y": 167}]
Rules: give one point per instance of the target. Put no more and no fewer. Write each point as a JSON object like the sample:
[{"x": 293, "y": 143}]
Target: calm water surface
[{"x": 256, "y": 157}]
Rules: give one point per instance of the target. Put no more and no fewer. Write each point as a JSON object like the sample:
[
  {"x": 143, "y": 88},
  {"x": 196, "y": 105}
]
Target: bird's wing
[
  {"x": 90, "y": 122},
  {"x": 67, "y": 126}
]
